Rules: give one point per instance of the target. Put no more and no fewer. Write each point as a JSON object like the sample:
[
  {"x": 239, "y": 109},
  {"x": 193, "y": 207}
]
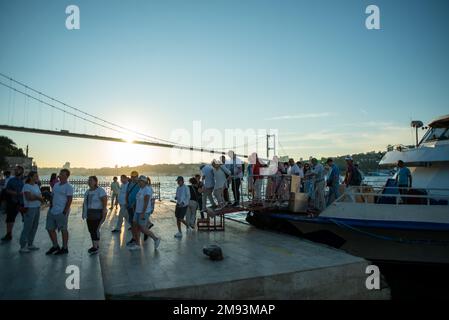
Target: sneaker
[
  {"x": 7, "y": 237},
  {"x": 24, "y": 250},
  {"x": 61, "y": 252},
  {"x": 115, "y": 231},
  {"x": 157, "y": 242},
  {"x": 134, "y": 247},
  {"x": 130, "y": 242},
  {"x": 178, "y": 235},
  {"x": 33, "y": 248},
  {"x": 52, "y": 250},
  {"x": 92, "y": 251}
]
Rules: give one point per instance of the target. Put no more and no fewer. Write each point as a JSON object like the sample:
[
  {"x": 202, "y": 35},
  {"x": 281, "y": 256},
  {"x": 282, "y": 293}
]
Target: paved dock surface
[
  {"x": 257, "y": 265},
  {"x": 37, "y": 276}
]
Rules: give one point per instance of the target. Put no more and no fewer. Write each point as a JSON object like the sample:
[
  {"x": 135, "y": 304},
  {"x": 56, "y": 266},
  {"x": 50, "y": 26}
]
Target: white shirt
[
  {"x": 208, "y": 173},
  {"x": 183, "y": 196},
  {"x": 94, "y": 198},
  {"x": 122, "y": 194},
  {"x": 220, "y": 177},
  {"x": 60, "y": 194},
  {"x": 295, "y": 170},
  {"x": 238, "y": 167},
  {"x": 140, "y": 199},
  {"x": 35, "y": 191}
]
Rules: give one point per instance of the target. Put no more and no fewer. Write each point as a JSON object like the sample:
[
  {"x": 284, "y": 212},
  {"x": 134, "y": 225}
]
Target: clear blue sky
[{"x": 309, "y": 69}]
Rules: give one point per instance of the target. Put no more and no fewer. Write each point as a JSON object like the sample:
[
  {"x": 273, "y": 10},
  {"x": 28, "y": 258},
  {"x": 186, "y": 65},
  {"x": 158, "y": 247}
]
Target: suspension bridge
[{"x": 61, "y": 113}]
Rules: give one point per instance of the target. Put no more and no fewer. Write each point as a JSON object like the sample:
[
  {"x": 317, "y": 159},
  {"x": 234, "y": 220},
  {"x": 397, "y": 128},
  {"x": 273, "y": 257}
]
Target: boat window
[
  {"x": 445, "y": 135},
  {"x": 435, "y": 134}
]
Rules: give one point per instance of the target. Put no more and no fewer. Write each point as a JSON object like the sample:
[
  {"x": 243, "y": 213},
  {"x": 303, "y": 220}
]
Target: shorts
[
  {"x": 56, "y": 221},
  {"x": 180, "y": 212},
  {"x": 11, "y": 212},
  {"x": 142, "y": 222}
]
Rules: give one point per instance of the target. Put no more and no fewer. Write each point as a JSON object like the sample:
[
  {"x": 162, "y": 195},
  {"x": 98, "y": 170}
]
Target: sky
[{"x": 212, "y": 72}]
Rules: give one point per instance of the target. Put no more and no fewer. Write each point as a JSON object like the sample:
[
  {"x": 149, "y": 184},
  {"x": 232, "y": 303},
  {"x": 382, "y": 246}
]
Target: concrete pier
[
  {"x": 37, "y": 276},
  {"x": 257, "y": 265}
]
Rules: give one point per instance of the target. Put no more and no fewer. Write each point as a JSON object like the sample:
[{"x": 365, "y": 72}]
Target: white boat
[{"x": 381, "y": 224}]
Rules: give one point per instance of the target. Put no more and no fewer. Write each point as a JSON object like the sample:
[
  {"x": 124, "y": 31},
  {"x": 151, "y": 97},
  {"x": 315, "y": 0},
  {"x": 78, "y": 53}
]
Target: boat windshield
[{"x": 436, "y": 134}]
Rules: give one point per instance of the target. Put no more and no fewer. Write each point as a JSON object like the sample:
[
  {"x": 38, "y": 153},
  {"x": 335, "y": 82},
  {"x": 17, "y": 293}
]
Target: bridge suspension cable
[
  {"x": 128, "y": 130},
  {"x": 105, "y": 124}
]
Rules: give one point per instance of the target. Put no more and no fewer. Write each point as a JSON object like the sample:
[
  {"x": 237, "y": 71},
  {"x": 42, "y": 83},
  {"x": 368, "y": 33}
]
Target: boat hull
[{"x": 378, "y": 243}]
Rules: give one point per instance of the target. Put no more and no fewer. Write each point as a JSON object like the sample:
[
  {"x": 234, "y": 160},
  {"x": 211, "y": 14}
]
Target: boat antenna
[{"x": 416, "y": 124}]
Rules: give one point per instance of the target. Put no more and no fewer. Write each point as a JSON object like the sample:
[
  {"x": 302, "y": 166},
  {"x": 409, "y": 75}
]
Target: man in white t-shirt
[
  {"x": 144, "y": 208},
  {"x": 58, "y": 214}
]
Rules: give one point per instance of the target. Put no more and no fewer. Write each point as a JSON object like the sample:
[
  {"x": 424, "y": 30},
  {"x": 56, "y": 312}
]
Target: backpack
[{"x": 356, "y": 179}]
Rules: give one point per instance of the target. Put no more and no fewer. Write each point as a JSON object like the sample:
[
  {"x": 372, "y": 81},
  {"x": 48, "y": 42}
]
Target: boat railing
[
  {"x": 395, "y": 195},
  {"x": 270, "y": 188},
  {"x": 80, "y": 186}
]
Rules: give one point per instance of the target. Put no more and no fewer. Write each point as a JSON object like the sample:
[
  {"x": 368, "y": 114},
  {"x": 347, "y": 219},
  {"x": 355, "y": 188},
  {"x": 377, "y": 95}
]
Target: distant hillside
[
  {"x": 146, "y": 169},
  {"x": 368, "y": 162}
]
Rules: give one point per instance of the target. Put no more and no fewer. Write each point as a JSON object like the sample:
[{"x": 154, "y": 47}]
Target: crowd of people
[
  {"x": 134, "y": 201},
  {"x": 23, "y": 195}
]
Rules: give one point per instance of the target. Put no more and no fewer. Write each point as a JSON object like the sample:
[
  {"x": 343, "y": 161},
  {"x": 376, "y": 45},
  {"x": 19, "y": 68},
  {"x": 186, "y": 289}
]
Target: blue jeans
[
  {"x": 333, "y": 193},
  {"x": 30, "y": 224}
]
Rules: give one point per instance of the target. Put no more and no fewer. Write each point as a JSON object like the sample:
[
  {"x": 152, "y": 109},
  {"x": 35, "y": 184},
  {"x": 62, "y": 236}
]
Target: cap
[
  {"x": 180, "y": 178},
  {"x": 143, "y": 178},
  {"x": 348, "y": 158},
  {"x": 134, "y": 174}
]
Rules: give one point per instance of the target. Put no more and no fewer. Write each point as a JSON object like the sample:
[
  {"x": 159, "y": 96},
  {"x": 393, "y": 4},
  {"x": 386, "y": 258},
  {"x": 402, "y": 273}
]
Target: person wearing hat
[
  {"x": 221, "y": 174},
  {"x": 182, "y": 203},
  {"x": 143, "y": 209},
  {"x": 131, "y": 194}
]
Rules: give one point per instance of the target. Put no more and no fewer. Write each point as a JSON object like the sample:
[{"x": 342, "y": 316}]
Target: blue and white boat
[{"x": 379, "y": 223}]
